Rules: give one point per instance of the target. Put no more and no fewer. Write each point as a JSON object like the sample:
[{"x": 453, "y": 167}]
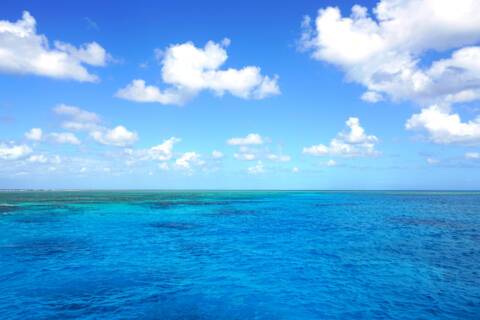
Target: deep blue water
[{"x": 240, "y": 255}]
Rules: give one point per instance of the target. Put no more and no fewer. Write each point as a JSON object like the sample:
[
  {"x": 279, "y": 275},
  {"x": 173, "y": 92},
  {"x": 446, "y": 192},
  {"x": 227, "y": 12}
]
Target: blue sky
[{"x": 240, "y": 95}]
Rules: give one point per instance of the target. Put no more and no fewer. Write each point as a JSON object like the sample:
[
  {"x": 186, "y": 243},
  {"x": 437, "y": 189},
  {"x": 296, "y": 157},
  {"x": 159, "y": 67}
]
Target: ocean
[{"x": 239, "y": 255}]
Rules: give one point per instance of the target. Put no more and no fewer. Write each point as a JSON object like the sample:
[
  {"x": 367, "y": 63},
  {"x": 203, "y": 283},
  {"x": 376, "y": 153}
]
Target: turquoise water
[{"x": 240, "y": 255}]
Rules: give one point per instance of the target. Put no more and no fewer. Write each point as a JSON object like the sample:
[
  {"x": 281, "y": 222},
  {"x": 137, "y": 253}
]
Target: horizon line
[{"x": 233, "y": 189}]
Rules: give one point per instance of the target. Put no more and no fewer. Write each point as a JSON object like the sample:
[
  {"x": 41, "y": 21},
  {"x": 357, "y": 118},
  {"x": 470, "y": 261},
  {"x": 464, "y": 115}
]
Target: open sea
[{"x": 239, "y": 255}]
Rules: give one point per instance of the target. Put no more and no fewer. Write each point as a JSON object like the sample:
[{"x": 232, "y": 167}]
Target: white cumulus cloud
[
  {"x": 189, "y": 159},
  {"x": 217, "y": 154},
  {"x": 83, "y": 120},
  {"x": 79, "y": 119},
  {"x": 257, "y": 168},
  {"x": 163, "y": 166},
  {"x": 14, "y": 152},
  {"x": 24, "y": 51},
  {"x": 245, "y": 156},
  {"x": 372, "y": 97},
  {"x": 388, "y": 51},
  {"x": 163, "y": 151},
  {"x": 160, "y": 152},
  {"x": 40, "y": 158},
  {"x": 77, "y": 114},
  {"x": 138, "y": 91},
  {"x": 331, "y": 163},
  {"x": 432, "y": 161},
  {"x": 351, "y": 143},
  {"x": 250, "y": 139},
  {"x": 188, "y": 70},
  {"x": 64, "y": 137},
  {"x": 384, "y": 52},
  {"x": 278, "y": 157},
  {"x": 445, "y": 127},
  {"x": 472, "y": 155},
  {"x": 34, "y": 134},
  {"x": 118, "y": 136}
]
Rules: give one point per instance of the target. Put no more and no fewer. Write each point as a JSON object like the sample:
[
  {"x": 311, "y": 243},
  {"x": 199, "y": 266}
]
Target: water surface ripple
[{"x": 239, "y": 255}]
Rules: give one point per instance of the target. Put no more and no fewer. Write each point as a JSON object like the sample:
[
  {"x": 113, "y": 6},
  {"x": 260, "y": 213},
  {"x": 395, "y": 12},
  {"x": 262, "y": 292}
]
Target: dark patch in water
[
  {"x": 173, "y": 225},
  {"x": 324, "y": 255},
  {"x": 196, "y": 249},
  {"x": 35, "y": 219},
  {"x": 199, "y": 307},
  {"x": 334, "y": 204},
  {"x": 429, "y": 222},
  {"x": 43, "y": 247},
  {"x": 234, "y": 212},
  {"x": 51, "y": 209},
  {"x": 166, "y": 204},
  {"x": 8, "y": 208},
  {"x": 194, "y": 203},
  {"x": 73, "y": 306}
]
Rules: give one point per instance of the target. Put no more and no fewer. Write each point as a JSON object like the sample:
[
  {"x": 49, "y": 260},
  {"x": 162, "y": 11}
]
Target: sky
[{"x": 240, "y": 95}]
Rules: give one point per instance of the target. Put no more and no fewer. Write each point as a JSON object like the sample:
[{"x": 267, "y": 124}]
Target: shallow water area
[{"x": 239, "y": 255}]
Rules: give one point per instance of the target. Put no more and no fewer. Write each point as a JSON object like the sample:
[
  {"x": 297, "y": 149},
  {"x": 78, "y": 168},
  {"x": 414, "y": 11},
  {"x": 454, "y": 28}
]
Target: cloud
[
  {"x": 139, "y": 92},
  {"x": 118, "y": 136},
  {"x": 40, "y": 158},
  {"x": 189, "y": 159},
  {"x": 163, "y": 166},
  {"x": 91, "y": 24},
  {"x": 445, "y": 127},
  {"x": 160, "y": 152},
  {"x": 390, "y": 54},
  {"x": 64, "y": 137},
  {"x": 279, "y": 157},
  {"x": 250, "y": 139},
  {"x": 163, "y": 151},
  {"x": 188, "y": 70},
  {"x": 245, "y": 156},
  {"x": 35, "y": 134},
  {"x": 217, "y": 154},
  {"x": 79, "y": 119},
  {"x": 351, "y": 143},
  {"x": 14, "y": 152},
  {"x": 372, "y": 97},
  {"x": 23, "y": 51},
  {"x": 331, "y": 163},
  {"x": 432, "y": 161},
  {"x": 256, "y": 169},
  {"x": 385, "y": 52},
  {"x": 472, "y": 155},
  {"x": 249, "y": 149},
  {"x": 295, "y": 170},
  {"x": 77, "y": 114},
  {"x": 82, "y": 120},
  {"x": 44, "y": 164},
  {"x": 56, "y": 159}
]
